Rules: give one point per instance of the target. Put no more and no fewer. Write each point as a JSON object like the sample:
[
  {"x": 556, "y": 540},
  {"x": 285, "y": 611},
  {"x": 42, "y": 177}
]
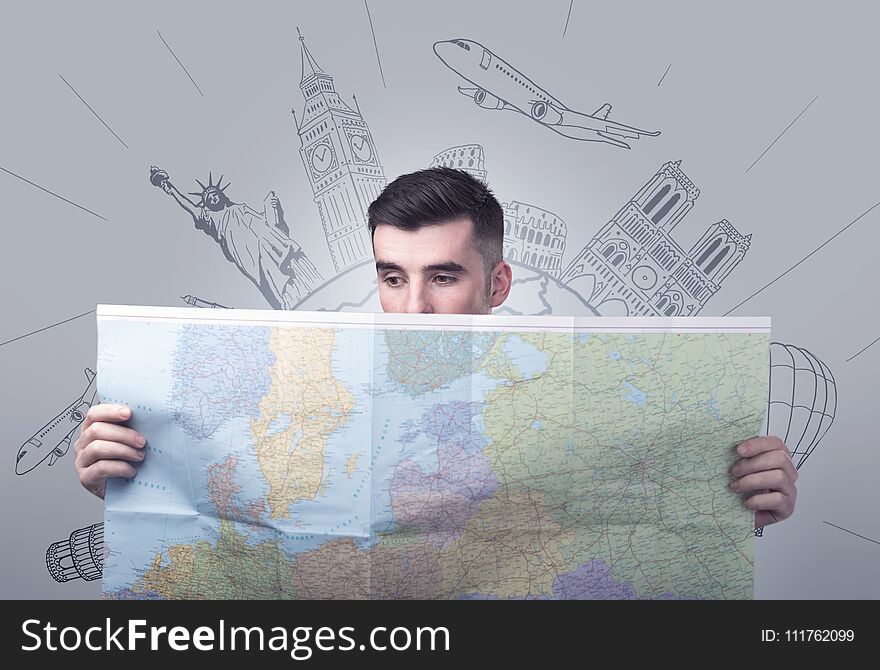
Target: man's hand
[
  {"x": 105, "y": 449},
  {"x": 767, "y": 475}
]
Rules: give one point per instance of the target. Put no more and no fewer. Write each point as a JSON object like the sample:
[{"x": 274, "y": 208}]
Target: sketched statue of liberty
[{"x": 259, "y": 243}]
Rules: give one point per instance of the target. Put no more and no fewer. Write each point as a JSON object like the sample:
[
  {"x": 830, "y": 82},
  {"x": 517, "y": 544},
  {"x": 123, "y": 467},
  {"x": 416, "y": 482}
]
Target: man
[{"x": 437, "y": 238}]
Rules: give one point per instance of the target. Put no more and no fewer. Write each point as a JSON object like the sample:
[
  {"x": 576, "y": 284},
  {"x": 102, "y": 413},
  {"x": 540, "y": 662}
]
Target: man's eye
[
  {"x": 393, "y": 282},
  {"x": 444, "y": 279}
]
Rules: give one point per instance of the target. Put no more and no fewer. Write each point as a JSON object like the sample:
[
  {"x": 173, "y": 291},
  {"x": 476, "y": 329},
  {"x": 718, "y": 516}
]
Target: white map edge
[{"x": 484, "y": 322}]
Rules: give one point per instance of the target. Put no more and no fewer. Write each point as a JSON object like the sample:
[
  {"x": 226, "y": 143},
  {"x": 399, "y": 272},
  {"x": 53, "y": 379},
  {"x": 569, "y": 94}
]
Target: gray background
[{"x": 734, "y": 76}]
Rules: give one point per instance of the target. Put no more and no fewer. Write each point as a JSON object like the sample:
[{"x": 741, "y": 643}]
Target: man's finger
[
  {"x": 779, "y": 504},
  {"x": 94, "y": 476},
  {"x": 769, "y": 460},
  {"x": 773, "y": 480},
  {"x": 100, "y": 450},
  {"x": 112, "y": 432},
  {"x": 760, "y": 445},
  {"x": 106, "y": 412}
]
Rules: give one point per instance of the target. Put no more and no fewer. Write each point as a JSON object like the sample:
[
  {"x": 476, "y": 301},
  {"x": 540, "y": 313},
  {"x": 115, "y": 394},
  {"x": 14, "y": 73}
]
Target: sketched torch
[{"x": 159, "y": 178}]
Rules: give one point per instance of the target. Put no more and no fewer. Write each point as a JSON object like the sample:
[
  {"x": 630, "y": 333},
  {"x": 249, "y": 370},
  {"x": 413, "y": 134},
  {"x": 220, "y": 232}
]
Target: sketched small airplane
[
  {"x": 53, "y": 440},
  {"x": 499, "y": 85}
]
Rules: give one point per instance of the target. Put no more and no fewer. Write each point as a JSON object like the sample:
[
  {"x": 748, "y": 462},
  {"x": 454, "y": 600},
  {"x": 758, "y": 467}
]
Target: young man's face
[{"x": 436, "y": 269}]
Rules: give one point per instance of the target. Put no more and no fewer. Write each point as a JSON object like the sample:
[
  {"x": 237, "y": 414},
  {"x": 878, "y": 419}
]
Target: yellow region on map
[
  {"x": 304, "y": 406},
  {"x": 351, "y": 465}
]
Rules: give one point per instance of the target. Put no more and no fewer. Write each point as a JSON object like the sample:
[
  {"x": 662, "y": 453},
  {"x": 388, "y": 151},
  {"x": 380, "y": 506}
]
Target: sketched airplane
[
  {"x": 53, "y": 440},
  {"x": 499, "y": 85}
]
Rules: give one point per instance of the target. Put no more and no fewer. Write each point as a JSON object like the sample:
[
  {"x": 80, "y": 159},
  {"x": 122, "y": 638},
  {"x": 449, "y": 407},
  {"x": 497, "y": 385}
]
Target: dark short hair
[{"x": 437, "y": 195}]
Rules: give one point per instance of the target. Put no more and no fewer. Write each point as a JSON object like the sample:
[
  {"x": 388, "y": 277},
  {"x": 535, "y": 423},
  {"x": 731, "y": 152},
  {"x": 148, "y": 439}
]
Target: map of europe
[{"x": 309, "y": 455}]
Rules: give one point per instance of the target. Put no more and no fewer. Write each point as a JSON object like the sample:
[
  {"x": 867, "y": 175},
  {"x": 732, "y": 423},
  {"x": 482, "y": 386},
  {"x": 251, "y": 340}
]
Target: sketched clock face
[
  {"x": 361, "y": 148},
  {"x": 322, "y": 157}
]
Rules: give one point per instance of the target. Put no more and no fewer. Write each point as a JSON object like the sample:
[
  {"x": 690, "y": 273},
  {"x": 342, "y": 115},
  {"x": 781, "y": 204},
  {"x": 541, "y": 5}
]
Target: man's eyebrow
[
  {"x": 385, "y": 265},
  {"x": 448, "y": 266}
]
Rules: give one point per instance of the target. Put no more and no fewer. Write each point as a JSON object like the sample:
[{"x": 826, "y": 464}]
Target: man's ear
[{"x": 502, "y": 277}]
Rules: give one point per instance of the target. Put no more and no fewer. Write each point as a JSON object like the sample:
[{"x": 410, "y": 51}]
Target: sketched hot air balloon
[
  {"x": 802, "y": 402},
  {"x": 803, "y": 399}
]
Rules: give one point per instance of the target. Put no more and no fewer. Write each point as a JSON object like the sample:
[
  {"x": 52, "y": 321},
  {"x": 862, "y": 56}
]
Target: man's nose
[{"x": 417, "y": 300}]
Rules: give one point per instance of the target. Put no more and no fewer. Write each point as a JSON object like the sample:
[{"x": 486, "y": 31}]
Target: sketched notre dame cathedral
[{"x": 633, "y": 266}]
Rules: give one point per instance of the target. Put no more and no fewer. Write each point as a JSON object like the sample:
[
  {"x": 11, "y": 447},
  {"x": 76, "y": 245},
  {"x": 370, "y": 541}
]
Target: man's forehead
[{"x": 447, "y": 246}]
